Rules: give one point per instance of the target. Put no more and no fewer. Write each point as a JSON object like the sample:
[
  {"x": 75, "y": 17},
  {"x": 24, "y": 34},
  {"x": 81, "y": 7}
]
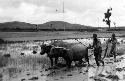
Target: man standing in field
[
  {"x": 97, "y": 50},
  {"x": 113, "y": 45},
  {"x": 113, "y": 42}
]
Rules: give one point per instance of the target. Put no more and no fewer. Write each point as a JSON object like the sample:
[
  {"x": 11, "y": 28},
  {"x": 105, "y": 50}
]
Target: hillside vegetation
[
  {"x": 48, "y": 26},
  {"x": 51, "y": 26}
]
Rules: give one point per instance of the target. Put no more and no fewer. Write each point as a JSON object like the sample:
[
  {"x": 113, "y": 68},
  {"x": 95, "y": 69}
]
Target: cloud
[
  {"x": 87, "y": 12},
  {"x": 10, "y": 3}
]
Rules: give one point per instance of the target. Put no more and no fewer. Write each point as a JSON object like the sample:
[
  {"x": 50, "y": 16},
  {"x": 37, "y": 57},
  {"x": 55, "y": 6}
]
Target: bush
[
  {"x": 3, "y": 61},
  {"x": 1, "y": 41}
]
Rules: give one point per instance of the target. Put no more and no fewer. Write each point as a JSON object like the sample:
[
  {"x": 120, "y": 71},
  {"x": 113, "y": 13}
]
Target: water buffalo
[
  {"x": 73, "y": 52},
  {"x": 77, "y": 53},
  {"x": 78, "y": 50},
  {"x": 54, "y": 52}
]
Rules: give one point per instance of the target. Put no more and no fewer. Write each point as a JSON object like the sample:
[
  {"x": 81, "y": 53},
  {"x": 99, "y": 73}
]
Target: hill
[
  {"x": 61, "y": 25},
  {"x": 16, "y": 24},
  {"x": 51, "y": 26}
]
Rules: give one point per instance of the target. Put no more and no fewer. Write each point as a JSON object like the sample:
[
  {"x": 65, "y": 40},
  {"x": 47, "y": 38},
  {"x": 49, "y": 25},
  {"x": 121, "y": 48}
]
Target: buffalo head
[{"x": 45, "y": 49}]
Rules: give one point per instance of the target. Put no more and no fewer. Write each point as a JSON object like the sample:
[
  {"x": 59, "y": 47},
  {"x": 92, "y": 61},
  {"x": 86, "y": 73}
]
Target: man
[
  {"x": 97, "y": 49},
  {"x": 113, "y": 45}
]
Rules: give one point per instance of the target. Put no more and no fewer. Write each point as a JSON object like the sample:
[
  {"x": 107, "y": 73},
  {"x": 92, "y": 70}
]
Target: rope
[
  {"x": 92, "y": 54},
  {"x": 81, "y": 43},
  {"x": 105, "y": 52}
]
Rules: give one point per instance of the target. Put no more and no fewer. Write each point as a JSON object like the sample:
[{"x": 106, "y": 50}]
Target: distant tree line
[
  {"x": 1, "y": 41},
  {"x": 92, "y": 29},
  {"x": 34, "y": 30}
]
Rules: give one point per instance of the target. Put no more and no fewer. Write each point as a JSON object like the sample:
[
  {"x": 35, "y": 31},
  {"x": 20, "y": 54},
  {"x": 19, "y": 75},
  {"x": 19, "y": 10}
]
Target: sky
[{"x": 85, "y": 12}]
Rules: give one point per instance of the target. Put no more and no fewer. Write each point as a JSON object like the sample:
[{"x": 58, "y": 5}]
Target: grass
[
  {"x": 19, "y": 64},
  {"x": 3, "y": 61},
  {"x": 15, "y": 66}
]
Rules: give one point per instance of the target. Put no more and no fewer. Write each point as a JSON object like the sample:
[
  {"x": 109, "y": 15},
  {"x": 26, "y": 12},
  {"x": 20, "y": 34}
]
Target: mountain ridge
[
  {"x": 52, "y": 25},
  {"x": 47, "y": 25}
]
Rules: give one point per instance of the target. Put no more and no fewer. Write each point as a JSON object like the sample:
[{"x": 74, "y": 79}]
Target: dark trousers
[
  {"x": 113, "y": 51},
  {"x": 98, "y": 58}
]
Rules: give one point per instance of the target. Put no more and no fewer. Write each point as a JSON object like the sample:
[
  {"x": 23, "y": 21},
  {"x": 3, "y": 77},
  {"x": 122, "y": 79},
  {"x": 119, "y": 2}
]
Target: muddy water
[{"x": 23, "y": 65}]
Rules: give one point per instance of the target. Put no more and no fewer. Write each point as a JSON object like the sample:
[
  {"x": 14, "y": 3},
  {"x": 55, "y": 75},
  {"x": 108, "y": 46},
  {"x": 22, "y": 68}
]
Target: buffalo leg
[
  {"x": 68, "y": 62},
  {"x": 56, "y": 59},
  {"x": 51, "y": 61},
  {"x": 80, "y": 61}
]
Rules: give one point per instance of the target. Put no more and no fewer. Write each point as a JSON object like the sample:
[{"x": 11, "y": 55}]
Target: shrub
[{"x": 1, "y": 41}]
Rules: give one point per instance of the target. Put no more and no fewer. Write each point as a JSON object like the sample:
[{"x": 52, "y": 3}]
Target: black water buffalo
[
  {"x": 73, "y": 52},
  {"x": 78, "y": 50},
  {"x": 54, "y": 52}
]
